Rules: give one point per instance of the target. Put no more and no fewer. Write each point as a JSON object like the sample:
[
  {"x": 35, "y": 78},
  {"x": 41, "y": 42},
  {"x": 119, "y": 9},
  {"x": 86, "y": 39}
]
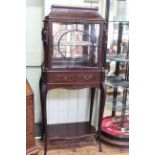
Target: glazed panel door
[{"x": 75, "y": 45}]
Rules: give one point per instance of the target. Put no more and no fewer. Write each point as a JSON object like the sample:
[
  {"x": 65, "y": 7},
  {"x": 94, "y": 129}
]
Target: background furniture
[
  {"x": 31, "y": 148},
  {"x": 115, "y": 126},
  {"x": 74, "y": 40}
]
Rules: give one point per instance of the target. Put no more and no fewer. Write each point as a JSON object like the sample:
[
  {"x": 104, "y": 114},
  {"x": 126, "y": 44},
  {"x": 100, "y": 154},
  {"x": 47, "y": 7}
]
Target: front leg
[
  {"x": 43, "y": 91},
  {"x": 91, "y": 104},
  {"x": 101, "y": 110},
  {"x": 43, "y": 94}
]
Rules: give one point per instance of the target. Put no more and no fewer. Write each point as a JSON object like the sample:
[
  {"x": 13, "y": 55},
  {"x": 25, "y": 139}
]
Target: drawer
[
  {"x": 30, "y": 141},
  {"x": 29, "y": 100},
  {"x": 29, "y": 119},
  {"x": 79, "y": 77}
]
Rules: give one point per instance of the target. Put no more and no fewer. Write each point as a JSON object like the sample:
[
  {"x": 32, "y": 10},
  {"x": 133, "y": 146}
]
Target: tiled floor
[{"x": 83, "y": 147}]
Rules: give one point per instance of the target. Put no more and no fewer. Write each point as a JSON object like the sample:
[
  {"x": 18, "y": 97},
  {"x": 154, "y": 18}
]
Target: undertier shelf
[{"x": 70, "y": 131}]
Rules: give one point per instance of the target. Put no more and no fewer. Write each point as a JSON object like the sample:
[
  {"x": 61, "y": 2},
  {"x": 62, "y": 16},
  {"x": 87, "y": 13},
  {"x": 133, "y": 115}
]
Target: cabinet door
[{"x": 75, "y": 45}]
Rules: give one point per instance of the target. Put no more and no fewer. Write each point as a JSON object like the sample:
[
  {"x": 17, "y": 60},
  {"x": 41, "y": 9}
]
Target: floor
[{"x": 82, "y": 147}]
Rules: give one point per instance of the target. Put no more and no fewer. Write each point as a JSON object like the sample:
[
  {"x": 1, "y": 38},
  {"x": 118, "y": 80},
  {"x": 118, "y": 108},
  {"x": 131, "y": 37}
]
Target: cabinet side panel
[
  {"x": 62, "y": 105},
  {"x": 83, "y": 105},
  {"x": 72, "y": 106},
  {"x": 52, "y": 107}
]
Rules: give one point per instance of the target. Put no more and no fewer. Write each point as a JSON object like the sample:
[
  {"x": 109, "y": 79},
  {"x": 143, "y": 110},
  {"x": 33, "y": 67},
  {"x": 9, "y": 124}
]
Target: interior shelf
[
  {"x": 75, "y": 43},
  {"x": 117, "y": 58},
  {"x": 70, "y": 130},
  {"x": 119, "y": 21},
  {"x": 114, "y": 78},
  {"x": 116, "y": 84},
  {"x": 116, "y": 81},
  {"x": 119, "y": 106}
]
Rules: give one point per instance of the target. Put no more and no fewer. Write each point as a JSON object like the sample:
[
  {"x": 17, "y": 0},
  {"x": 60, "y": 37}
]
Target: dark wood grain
[
  {"x": 75, "y": 12},
  {"x": 70, "y": 130}
]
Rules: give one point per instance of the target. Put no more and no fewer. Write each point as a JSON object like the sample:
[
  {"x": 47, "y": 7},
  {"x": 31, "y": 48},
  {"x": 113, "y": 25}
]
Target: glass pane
[
  {"x": 118, "y": 35},
  {"x": 118, "y": 48},
  {"x": 75, "y": 45},
  {"x": 118, "y": 10}
]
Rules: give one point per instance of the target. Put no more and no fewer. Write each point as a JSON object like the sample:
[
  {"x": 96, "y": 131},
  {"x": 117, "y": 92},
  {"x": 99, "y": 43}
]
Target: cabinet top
[
  {"x": 74, "y": 12},
  {"x": 74, "y": 7}
]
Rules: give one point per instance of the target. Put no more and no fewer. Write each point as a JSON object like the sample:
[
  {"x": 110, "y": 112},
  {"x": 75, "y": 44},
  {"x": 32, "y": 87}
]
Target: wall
[
  {"x": 63, "y": 105},
  {"x": 34, "y": 49}
]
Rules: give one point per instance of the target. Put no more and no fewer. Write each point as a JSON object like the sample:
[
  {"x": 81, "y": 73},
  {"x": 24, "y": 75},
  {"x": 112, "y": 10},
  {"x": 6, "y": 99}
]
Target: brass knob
[{"x": 87, "y": 76}]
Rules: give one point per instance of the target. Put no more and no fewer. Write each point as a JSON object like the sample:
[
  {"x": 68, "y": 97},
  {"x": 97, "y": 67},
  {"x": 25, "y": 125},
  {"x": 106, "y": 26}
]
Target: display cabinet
[
  {"x": 74, "y": 40},
  {"x": 115, "y": 123}
]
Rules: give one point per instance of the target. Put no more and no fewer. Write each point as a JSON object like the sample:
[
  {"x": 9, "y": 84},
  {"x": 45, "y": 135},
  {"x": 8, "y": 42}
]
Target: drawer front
[
  {"x": 29, "y": 100},
  {"x": 74, "y": 77},
  {"x": 30, "y": 141}
]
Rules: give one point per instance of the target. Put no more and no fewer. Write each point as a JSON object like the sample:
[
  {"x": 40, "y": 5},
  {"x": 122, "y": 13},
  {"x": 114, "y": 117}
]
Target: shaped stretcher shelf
[{"x": 70, "y": 130}]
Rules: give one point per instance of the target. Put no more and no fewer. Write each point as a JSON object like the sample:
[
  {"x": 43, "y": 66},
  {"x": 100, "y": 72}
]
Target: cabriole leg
[
  {"x": 44, "y": 116},
  {"x": 102, "y": 105},
  {"x": 91, "y": 103}
]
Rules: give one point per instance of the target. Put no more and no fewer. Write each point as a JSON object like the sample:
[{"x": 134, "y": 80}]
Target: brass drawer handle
[
  {"x": 87, "y": 76},
  {"x": 65, "y": 77}
]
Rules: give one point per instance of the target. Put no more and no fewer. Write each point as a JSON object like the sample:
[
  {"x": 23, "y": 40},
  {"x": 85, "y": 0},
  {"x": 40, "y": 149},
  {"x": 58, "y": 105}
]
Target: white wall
[
  {"x": 34, "y": 49},
  {"x": 63, "y": 105},
  {"x": 33, "y": 76},
  {"x": 68, "y": 106},
  {"x": 34, "y": 17}
]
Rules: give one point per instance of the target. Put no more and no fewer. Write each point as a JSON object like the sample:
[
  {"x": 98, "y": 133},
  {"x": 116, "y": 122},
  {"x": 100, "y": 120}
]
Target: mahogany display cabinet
[{"x": 74, "y": 40}]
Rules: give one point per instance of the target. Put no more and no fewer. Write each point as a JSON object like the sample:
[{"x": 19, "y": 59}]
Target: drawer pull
[{"x": 87, "y": 76}]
